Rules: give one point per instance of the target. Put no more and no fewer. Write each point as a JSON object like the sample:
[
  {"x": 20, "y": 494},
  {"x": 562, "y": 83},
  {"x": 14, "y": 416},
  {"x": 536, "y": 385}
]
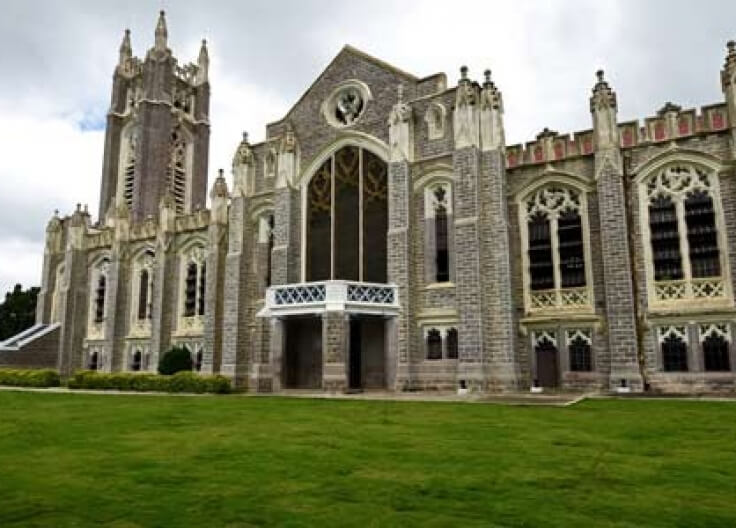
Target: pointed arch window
[
  {"x": 136, "y": 361},
  {"x": 674, "y": 348},
  {"x": 438, "y": 232},
  {"x": 347, "y": 218},
  {"x": 715, "y": 340},
  {"x": 98, "y": 299},
  {"x": 143, "y": 306},
  {"x": 129, "y": 162},
  {"x": 441, "y": 342},
  {"x": 556, "y": 258},
  {"x": 193, "y": 290},
  {"x": 683, "y": 238}
]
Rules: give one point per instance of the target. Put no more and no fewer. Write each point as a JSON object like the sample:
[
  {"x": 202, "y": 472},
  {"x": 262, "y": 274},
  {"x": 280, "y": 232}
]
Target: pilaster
[
  {"x": 214, "y": 290},
  {"x": 502, "y": 369},
  {"x": 73, "y": 299},
  {"x": 468, "y": 280},
  {"x": 164, "y": 285},
  {"x": 335, "y": 340},
  {"x": 617, "y": 269},
  {"x": 118, "y": 292},
  {"x": 400, "y": 331}
]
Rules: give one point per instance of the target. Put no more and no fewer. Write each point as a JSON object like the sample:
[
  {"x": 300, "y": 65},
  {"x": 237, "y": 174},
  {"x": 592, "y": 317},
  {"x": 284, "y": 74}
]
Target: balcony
[{"x": 327, "y": 296}]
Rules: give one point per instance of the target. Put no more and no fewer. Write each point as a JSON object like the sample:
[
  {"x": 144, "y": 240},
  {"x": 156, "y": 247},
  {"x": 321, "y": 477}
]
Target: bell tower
[{"x": 157, "y": 135}]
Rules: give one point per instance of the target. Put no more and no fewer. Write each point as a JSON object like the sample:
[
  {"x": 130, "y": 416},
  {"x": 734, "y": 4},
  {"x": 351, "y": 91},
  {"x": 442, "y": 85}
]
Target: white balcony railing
[
  {"x": 564, "y": 299},
  {"x": 711, "y": 288},
  {"x": 317, "y": 297}
]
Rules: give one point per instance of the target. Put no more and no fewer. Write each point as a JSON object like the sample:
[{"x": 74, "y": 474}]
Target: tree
[
  {"x": 18, "y": 312},
  {"x": 177, "y": 358}
]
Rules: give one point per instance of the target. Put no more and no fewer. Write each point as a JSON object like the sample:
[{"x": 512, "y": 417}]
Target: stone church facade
[{"x": 385, "y": 236}]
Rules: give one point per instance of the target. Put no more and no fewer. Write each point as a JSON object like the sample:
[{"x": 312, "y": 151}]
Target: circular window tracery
[{"x": 347, "y": 104}]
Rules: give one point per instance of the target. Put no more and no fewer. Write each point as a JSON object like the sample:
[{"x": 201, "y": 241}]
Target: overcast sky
[{"x": 57, "y": 58}]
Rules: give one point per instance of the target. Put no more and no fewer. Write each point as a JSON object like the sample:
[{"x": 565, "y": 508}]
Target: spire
[
  {"x": 161, "y": 33},
  {"x": 203, "y": 63},
  {"x": 728, "y": 74},
  {"x": 492, "y": 135},
  {"x": 126, "y": 52},
  {"x": 603, "y": 95}
]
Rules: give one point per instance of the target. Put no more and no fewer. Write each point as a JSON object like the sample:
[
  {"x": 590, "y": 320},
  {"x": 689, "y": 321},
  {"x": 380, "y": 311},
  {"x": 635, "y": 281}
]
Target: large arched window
[
  {"x": 142, "y": 293},
  {"x": 683, "y": 235},
  {"x": 556, "y": 256},
  {"x": 347, "y": 218}
]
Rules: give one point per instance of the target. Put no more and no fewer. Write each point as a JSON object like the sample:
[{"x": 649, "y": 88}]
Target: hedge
[
  {"x": 176, "y": 359},
  {"x": 179, "y": 382},
  {"x": 29, "y": 377}
]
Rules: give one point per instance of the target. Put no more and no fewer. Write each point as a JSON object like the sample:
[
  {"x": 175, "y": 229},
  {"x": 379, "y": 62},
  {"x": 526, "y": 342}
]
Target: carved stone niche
[
  {"x": 435, "y": 118},
  {"x": 347, "y": 103}
]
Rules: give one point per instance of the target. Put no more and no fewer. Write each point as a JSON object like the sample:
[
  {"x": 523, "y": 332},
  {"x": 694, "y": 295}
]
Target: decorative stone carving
[
  {"x": 347, "y": 104},
  {"x": 465, "y": 117},
  {"x": 243, "y": 173},
  {"x": 603, "y": 106},
  {"x": 287, "y": 159},
  {"x": 435, "y": 118},
  {"x": 491, "y": 116},
  {"x": 401, "y": 130}
]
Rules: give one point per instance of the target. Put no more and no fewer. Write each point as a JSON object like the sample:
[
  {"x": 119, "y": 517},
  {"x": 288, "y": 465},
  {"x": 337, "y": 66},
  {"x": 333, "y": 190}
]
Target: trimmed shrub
[
  {"x": 29, "y": 377},
  {"x": 177, "y": 359},
  {"x": 179, "y": 382}
]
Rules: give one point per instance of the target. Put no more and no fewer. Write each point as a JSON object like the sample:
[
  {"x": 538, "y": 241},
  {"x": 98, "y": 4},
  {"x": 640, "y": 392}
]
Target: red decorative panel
[
  {"x": 718, "y": 121},
  {"x": 587, "y": 146},
  {"x": 538, "y": 154},
  {"x": 559, "y": 151},
  {"x": 683, "y": 127},
  {"x": 628, "y": 137},
  {"x": 658, "y": 131}
]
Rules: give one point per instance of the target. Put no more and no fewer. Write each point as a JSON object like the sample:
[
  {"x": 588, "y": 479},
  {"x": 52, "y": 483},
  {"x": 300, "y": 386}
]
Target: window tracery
[
  {"x": 673, "y": 344},
  {"x": 715, "y": 340},
  {"x": 557, "y": 261},
  {"x": 178, "y": 168},
  {"x": 193, "y": 290},
  {"x": 684, "y": 235},
  {"x": 438, "y": 212}
]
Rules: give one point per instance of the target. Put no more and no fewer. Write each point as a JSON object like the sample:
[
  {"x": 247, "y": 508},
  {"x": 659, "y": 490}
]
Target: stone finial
[
  {"x": 219, "y": 188},
  {"x": 463, "y": 74},
  {"x": 54, "y": 223},
  {"x": 603, "y": 96},
  {"x": 126, "y": 51},
  {"x": 161, "y": 32},
  {"x": 669, "y": 107},
  {"x": 492, "y": 136},
  {"x": 487, "y": 76},
  {"x": 203, "y": 63},
  {"x": 400, "y": 129}
]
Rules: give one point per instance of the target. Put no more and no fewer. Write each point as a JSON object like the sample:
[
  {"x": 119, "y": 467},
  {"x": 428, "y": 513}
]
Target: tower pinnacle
[
  {"x": 203, "y": 63},
  {"x": 126, "y": 51},
  {"x": 161, "y": 33}
]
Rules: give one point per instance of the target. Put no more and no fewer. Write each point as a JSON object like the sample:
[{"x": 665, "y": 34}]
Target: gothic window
[
  {"x": 269, "y": 249},
  {"x": 137, "y": 361},
  {"x": 190, "y": 290},
  {"x": 715, "y": 340},
  {"x": 193, "y": 288},
  {"x": 438, "y": 214},
  {"x": 178, "y": 168},
  {"x": 100, "y": 298},
  {"x": 555, "y": 222},
  {"x": 546, "y": 358},
  {"x": 202, "y": 288},
  {"x": 441, "y": 343},
  {"x": 452, "y": 344},
  {"x": 346, "y": 104},
  {"x": 579, "y": 350},
  {"x": 434, "y": 344},
  {"x": 673, "y": 347},
  {"x": 683, "y": 234},
  {"x": 143, "y": 311},
  {"x": 347, "y": 218}
]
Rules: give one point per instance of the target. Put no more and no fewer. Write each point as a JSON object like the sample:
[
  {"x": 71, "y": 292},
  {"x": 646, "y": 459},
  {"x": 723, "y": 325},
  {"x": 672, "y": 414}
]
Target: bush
[
  {"x": 177, "y": 359},
  {"x": 29, "y": 377},
  {"x": 179, "y": 382}
]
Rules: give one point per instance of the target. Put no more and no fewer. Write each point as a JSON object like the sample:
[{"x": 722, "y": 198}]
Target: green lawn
[{"x": 126, "y": 461}]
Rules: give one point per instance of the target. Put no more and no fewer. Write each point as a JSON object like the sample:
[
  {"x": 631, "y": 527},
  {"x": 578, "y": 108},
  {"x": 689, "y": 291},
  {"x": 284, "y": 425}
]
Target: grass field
[{"x": 126, "y": 461}]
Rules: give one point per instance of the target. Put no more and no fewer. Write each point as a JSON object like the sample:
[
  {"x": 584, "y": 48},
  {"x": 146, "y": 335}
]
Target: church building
[{"x": 385, "y": 236}]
